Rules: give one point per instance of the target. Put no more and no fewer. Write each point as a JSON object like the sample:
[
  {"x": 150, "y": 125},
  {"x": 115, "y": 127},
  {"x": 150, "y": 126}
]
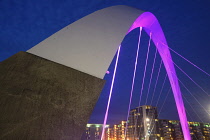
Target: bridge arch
[
  {"x": 150, "y": 24},
  {"x": 86, "y": 43}
]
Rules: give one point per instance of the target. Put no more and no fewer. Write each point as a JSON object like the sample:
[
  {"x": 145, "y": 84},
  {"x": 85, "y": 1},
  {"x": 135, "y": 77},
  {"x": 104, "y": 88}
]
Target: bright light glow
[
  {"x": 147, "y": 119},
  {"x": 106, "y": 126}
]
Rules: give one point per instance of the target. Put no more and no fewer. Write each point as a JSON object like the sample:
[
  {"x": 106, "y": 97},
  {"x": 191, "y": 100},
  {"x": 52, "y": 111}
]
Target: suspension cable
[
  {"x": 133, "y": 82},
  {"x": 156, "y": 82},
  {"x": 110, "y": 93},
  {"x": 193, "y": 109},
  {"x": 164, "y": 100},
  {"x": 190, "y": 78},
  {"x": 193, "y": 96},
  {"x": 189, "y": 61},
  {"x": 145, "y": 69},
  {"x": 158, "y": 100},
  {"x": 160, "y": 109},
  {"x": 161, "y": 89},
  {"x": 150, "y": 80}
]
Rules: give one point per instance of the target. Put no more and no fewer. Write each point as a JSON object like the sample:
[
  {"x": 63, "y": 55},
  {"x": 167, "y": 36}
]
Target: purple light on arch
[{"x": 151, "y": 25}]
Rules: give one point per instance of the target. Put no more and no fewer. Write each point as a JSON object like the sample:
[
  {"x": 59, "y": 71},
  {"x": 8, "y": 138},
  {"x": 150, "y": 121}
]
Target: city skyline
[{"x": 143, "y": 123}]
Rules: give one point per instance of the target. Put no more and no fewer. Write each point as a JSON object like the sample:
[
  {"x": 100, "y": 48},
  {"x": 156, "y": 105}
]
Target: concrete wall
[{"x": 43, "y": 100}]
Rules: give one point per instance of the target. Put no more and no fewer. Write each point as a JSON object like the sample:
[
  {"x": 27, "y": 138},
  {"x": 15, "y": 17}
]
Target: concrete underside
[{"x": 43, "y": 100}]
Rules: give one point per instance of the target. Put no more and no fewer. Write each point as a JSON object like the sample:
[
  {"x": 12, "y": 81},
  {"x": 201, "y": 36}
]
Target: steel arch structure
[
  {"x": 151, "y": 25},
  {"x": 93, "y": 40}
]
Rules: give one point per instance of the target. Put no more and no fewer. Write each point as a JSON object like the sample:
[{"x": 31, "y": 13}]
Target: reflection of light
[{"x": 147, "y": 119}]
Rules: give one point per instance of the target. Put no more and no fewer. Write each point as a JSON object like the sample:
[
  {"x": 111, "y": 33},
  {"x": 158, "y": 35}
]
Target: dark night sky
[{"x": 25, "y": 23}]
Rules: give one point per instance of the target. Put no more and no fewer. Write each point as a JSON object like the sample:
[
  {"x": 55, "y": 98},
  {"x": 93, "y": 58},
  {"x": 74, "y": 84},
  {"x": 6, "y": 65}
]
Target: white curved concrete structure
[{"x": 90, "y": 43}]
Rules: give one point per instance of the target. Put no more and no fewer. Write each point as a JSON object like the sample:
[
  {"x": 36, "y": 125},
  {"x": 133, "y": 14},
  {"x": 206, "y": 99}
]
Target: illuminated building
[
  {"x": 143, "y": 124},
  {"x": 117, "y": 132},
  {"x": 169, "y": 130},
  {"x": 205, "y": 128},
  {"x": 199, "y": 131},
  {"x": 141, "y": 121},
  {"x": 93, "y": 132}
]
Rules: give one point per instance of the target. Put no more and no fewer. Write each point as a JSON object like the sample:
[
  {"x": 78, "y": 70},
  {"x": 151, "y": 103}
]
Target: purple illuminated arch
[
  {"x": 94, "y": 39},
  {"x": 151, "y": 25}
]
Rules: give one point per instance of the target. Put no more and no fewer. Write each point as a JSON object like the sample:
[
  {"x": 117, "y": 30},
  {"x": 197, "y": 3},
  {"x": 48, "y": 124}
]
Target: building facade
[
  {"x": 117, "y": 132},
  {"x": 143, "y": 124},
  {"x": 93, "y": 132}
]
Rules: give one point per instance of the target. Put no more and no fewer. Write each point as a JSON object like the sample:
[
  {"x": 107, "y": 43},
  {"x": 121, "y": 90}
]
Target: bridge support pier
[{"x": 41, "y": 99}]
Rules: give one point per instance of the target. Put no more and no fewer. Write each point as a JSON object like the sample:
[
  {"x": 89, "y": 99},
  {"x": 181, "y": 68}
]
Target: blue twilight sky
[{"x": 25, "y": 23}]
